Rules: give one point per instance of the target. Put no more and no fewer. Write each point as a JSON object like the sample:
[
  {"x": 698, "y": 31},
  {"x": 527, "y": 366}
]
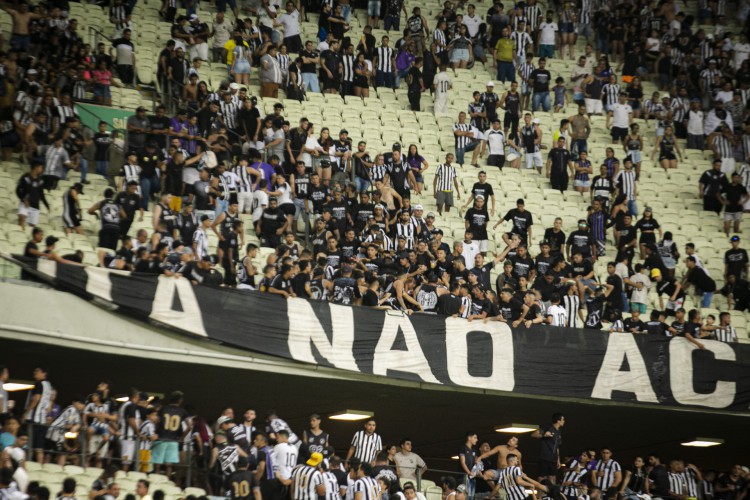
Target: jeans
[
  {"x": 346, "y": 11},
  {"x": 84, "y": 167},
  {"x": 221, "y": 206},
  {"x": 633, "y": 208},
  {"x": 310, "y": 81},
  {"x": 362, "y": 184},
  {"x": 625, "y": 302},
  {"x": 149, "y": 185},
  {"x": 393, "y": 22},
  {"x": 706, "y": 299},
  {"x": 101, "y": 168},
  {"x": 471, "y": 487},
  {"x": 400, "y": 75},
  {"x": 506, "y": 71},
  {"x": 460, "y": 151},
  {"x": 20, "y": 42},
  {"x": 540, "y": 98},
  {"x": 385, "y": 79},
  {"x": 578, "y": 145}
]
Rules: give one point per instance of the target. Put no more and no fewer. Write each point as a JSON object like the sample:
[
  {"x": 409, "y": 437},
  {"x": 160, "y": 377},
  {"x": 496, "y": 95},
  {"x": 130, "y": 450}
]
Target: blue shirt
[{"x": 6, "y": 439}]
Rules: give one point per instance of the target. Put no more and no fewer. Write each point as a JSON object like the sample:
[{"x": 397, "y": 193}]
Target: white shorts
[
  {"x": 593, "y": 106},
  {"x": 746, "y": 206},
  {"x": 732, "y": 216},
  {"x": 245, "y": 201},
  {"x": 484, "y": 245},
  {"x": 533, "y": 159},
  {"x": 673, "y": 306},
  {"x": 199, "y": 50},
  {"x": 31, "y": 214},
  {"x": 728, "y": 166},
  {"x": 441, "y": 105},
  {"x": 127, "y": 451},
  {"x": 583, "y": 184}
]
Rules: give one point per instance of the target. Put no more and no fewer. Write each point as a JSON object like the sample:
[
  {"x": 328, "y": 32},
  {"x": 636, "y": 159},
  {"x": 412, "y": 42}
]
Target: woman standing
[
  {"x": 648, "y": 226},
  {"x": 362, "y": 75},
  {"x": 418, "y": 165},
  {"x": 633, "y": 145},
  {"x": 241, "y": 57},
  {"x": 667, "y": 147},
  {"x": 460, "y": 49}
]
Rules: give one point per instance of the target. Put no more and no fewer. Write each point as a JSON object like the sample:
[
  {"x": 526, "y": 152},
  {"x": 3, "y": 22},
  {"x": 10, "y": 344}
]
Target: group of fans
[{"x": 242, "y": 458}]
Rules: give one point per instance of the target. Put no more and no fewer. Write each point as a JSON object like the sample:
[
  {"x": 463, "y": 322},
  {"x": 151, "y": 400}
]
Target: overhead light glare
[
  {"x": 703, "y": 442},
  {"x": 516, "y": 428},
  {"x": 351, "y": 415},
  {"x": 17, "y": 386}
]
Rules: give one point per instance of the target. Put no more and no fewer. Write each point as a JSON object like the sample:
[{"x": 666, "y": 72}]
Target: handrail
[{"x": 92, "y": 29}]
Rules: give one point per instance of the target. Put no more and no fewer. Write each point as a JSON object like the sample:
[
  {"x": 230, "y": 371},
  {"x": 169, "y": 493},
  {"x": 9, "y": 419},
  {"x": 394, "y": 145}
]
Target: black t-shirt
[
  {"x": 370, "y": 298},
  {"x": 594, "y": 312},
  {"x": 240, "y": 485},
  {"x": 657, "y": 328},
  {"x": 700, "y": 279},
  {"x": 171, "y": 419},
  {"x": 159, "y": 124},
  {"x": 735, "y": 260},
  {"x": 521, "y": 221},
  {"x": 629, "y": 324},
  {"x": 734, "y": 194},
  {"x": 511, "y": 310},
  {"x": 413, "y": 78},
  {"x": 659, "y": 478},
  {"x": 556, "y": 240},
  {"x": 522, "y": 266},
  {"x": 478, "y": 220},
  {"x": 101, "y": 144},
  {"x": 482, "y": 189},
  {"x": 637, "y": 481},
  {"x": 281, "y": 283},
  {"x": 470, "y": 456},
  {"x": 541, "y": 78},
  {"x": 550, "y": 446},
  {"x": 129, "y": 203},
  {"x": 581, "y": 269},
  {"x": 448, "y": 304},
  {"x": 580, "y": 241}
]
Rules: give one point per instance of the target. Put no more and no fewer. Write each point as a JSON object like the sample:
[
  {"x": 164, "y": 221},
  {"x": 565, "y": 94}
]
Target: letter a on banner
[
  {"x": 190, "y": 318},
  {"x": 305, "y": 330},
  {"x": 622, "y": 347},
  {"x": 681, "y": 374},
  {"x": 457, "y": 349},
  {"x": 412, "y": 360}
]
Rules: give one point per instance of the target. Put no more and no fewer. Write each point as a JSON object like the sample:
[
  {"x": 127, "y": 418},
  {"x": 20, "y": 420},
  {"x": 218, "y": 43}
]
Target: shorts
[
  {"x": 635, "y": 156},
  {"x": 667, "y": 156},
  {"x": 287, "y": 208},
  {"x": 31, "y": 214},
  {"x": 674, "y": 305},
  {"x": 583, "y": 184},
  {"x": 330, "y": 84},
  {"x": 525, "y": 88},
  {"x": 444, "y": 198},
  {"x": 732, "y": 216},
  {"x": 484, "y": 245},
  {"x": 533, "y": 160},
  {"x": 567, "y": 28},
  {"x": 496, "y": 161},
  {"x": 636, "y": 306},
  {"x": 145, "y": 460},
  {"x": 593, "y": 106},
  {"x": 165, "y": 452},
  {"x": 547, "y": 468},
  {"x": 102, "y": 91},
  {"x": 619, "y": 133},
  {"x": 53, "y": 446},
  {"x": 373, "y": 8},
  {"x": 175, "y": 203},
  {"x": 127, "y": 450},
  {"x": 71, "y": 221},
  {"x": 242, "y": 67},
  {"x": 492, "y": 474},
  {"x": 109, "y": 236},
  {"x": 38, "y": 435},
  {"x": 458, "y": 55}
]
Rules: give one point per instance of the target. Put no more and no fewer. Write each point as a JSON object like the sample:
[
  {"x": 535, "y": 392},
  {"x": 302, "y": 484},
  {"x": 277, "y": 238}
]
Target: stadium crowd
[
  {"x": 244, "y": 458},
  {"x": 219, "y": 158}
]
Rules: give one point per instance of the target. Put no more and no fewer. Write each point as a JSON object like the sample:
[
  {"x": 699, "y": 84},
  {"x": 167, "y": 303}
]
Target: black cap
[
  {"x": 140, "y": 109},
  {"x": 132, "y": 152},
  {"x": 78, "y": 187},
  {"x": 396, "y": 146},
  {"x": 205, "y": 217},
  {"x": 51, "y": 240}
]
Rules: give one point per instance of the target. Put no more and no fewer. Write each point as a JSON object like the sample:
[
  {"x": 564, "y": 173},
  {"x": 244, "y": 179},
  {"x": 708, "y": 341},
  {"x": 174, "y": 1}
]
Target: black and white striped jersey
[
  {"x": 385, "y": 59},
  {"x": 347, "y": 65},
  {"x": 462, "y": 141},
  {"x": 726, "y": 334},
  {"x": 39, "y": 413},
  {"x": 445, "y": 174},
  {"x": 366, "y": 446},
  {"x": 574, "y": 472},
  {"x": 571, "y": 303},
  {"x": 368, "y": 487},
  {"x": 305, "y": 480},
  {"x": 605, "y": 473},
  {"x": 514, "y": 490}
]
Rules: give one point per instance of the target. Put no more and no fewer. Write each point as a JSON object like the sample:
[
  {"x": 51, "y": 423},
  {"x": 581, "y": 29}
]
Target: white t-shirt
[
  {"x": 284, "y": 459},
  {"x": 640, "y": 296},
  {"x": 260, "y": 202},
  {"x": 442, "y": 84},
  {"x": 472, "y": 24},
  {"x": 222, "y": 32},
  {"x": 558, "y": 314},
  {"x": 741, "y": 52},
  {"x": 264, "y": 17},
  {"x": 621, "y": 115},
  {"x": 290, "y": 22},
  {"x": 495, "y": 141},
  {"x": 547, "y": 33},
  {"x": 470, "y": 251}
]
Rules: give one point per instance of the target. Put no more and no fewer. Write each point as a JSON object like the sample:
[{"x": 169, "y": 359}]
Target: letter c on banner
[
  {"x": 457, "y": 349},
  {"x": 681, "y": 374}
]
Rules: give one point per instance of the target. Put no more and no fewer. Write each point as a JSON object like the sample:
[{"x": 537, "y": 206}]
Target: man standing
[
  {"x": 620, "y": 117},
  {"x": 559, "y": 162},
  {"x": 415, "y": 84},
  {"x": 467, "y": 458},
  {"x": 608, "y": 474},
  {"x": 441, "y": 85},
  {"x": 494, "y": 140},
  {"x": 242, "y": 483},
  {"x": 284, "y": 458},
  {"x": 733, "y": 197},
  {"x": 307, "y": 480},
  {"x": 408, "y": 462},
  {"x": 580, "y": 127},
  {"x": 37, "y": 409},
  {"x": 549, "y": 453},
  {"x": 30, "y": 192},
  {"x": 365, "y": 444},
  {"x": 171, "y": 431},
  {"x": 445, "y": 180},
  {"x": 270, "y": 74},
  {"x": 465, "y": 140},
  {"x": 540, "y": 79},
  {"x": 385, "y": 65},
  {"x": 710, "y": 186}
]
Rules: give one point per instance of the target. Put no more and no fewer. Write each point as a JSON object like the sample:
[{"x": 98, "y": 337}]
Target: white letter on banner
[
  {"x": 98, "y": 283},
  {"x": 190, "y": 318},
  {"x": 681, "y": 374},
  {"x": 411, "y": 361},
  {"x": 305, "y": 328},
  {"x": 622, "y": 346},
  {"x": 456, "y": 347}
]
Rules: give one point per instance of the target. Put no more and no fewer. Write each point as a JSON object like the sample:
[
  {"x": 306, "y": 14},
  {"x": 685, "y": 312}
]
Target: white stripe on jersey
[
  {"x": 305, "y": 480},
  {"x": 366, "y": 446},
  {"x": 558, "y": 315}
]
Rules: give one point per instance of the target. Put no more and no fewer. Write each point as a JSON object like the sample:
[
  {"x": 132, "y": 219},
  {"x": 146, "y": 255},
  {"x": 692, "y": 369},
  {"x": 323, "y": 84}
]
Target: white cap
[
  {"x": 490, "y": 83},
  {"x": 418, "y": 207},
  {"x": 535, "y": 121},
  {"x": 234, "y": 86}
]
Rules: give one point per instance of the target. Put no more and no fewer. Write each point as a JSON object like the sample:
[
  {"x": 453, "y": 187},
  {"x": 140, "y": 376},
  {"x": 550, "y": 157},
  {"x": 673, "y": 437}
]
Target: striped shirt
[
  {"x": 461, "y": 140},
  {"x": 521, "y": 39},
  {"x": 131, "y": 173},
  {"x": 407, "y": 231},
  {"x": 39, "y": 413},
  {"x": 677, "y": 483},
  {"x": 229, "y": 111},
  {"x": 626, "y": 183},
  {"x": 69, "y": 417},
  {"x": 525, "y": 70},
  {"x": 148, "y": 429},
  {"x": 679, "y": 108},
  {"x": 439, "y": 38},
  {"x": 445, "y": 174},
  {"x": 571, "y": 303},
  {"x": 533, "y": 13},
  {"x": 245, "y": 183},
  {"x": 385, "y": 59},
  {"x": 586, "y": 12},
  {"x": 366, "y": 446},
  {"x": 332, "y": 486},
  {"x": 514, "y": 490},
  {"x": 200, "y": 239},
  {"x": 466, "y": 304},
  {"x": 347, "y": 64},
  {"x": 727, "y": 334},
  {"x": 305, "y": 480},
  {"x": 377, "y": 172},
  {"x": 724, "y": 146},
  {"x": 368, "y": 487},
  {"x": 691, "y": 481},
  {"x": 573, "y": 475},
  {"x": 124, "y": 415},
  {"x": 605, "y": 473},
  {"x": 611, "y": 93}
]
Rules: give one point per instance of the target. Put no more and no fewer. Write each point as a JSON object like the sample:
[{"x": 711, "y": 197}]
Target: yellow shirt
[
  {"x": 229, "y": 47},
  {"x": 504, "y": 50}
]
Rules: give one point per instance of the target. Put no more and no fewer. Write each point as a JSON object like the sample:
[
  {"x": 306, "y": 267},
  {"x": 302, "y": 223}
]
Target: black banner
[{"x": 560, "y": 362}]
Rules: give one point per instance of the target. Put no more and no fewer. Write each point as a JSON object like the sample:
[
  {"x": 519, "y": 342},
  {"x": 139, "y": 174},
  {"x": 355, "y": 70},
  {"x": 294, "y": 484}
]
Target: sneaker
[{"x": 85, "y": 182}]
